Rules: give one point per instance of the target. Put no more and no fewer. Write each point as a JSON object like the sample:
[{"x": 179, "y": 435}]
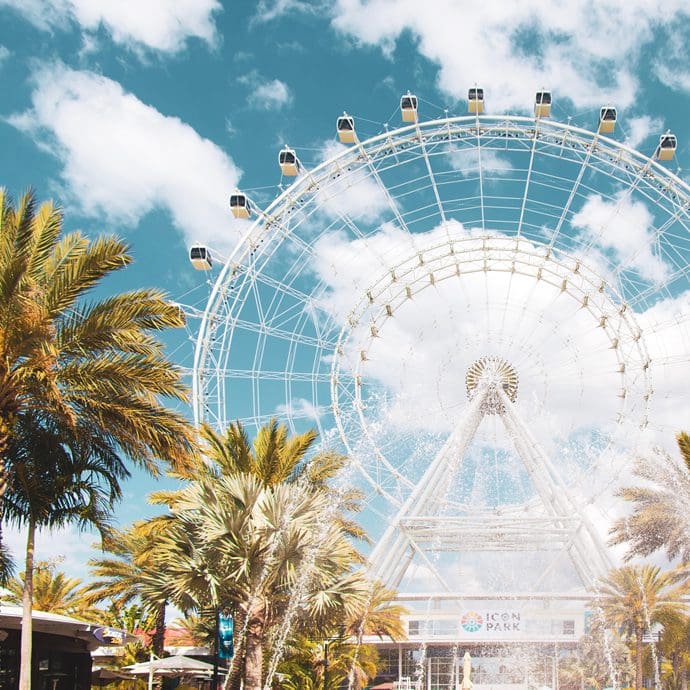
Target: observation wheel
[{"x": 373, "y": 293}]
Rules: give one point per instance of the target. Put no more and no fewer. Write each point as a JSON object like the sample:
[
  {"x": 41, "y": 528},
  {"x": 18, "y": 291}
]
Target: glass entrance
[{"x": 440, "y": 673}]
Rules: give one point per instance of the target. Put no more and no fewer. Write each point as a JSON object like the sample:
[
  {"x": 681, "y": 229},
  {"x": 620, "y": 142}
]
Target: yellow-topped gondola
[
  {"x": 542, "y": 104},
  {"x": 345, "y": 126},
  {"x": 408, "y": 107},
  {"x": 240, "y": 205},
  {"x": 288, "y": 161},
  {"x": 475, "y": 101}
]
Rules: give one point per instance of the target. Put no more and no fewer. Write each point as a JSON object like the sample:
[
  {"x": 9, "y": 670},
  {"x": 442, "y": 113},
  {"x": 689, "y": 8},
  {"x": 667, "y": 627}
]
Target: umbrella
[
  {"x": 170, "y": 665},
  {"x": 103, "y": 676}
]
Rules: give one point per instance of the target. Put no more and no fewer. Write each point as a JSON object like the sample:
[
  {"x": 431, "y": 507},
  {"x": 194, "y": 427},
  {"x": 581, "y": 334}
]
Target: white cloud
[
  {"x": 586, "y": 51},
  {"x": 67, "y": 547},
  {"x": 466, "y": 162},
  {"x": 672, "y": 68},
  {"x": 123, "y": 158},
  {"x": 266, "y": 94},
  {"x": 271, "y": 95},
  {"x": 625, "y": 227},
  {"x": 301, "y": 408},
  {"x": 4, "y": 54},
  {"x": 355, "y": 194},
  {"x": 268, "y": 10},
  {"x": 639, "y": 128},
  {"x": 569, "y": 378},
  {"x": 678, "y": 80},
  {"x": 161, "y": 25}
]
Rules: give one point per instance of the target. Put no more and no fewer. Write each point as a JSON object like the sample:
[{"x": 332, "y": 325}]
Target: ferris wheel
[{"x": 538, "y": 262}]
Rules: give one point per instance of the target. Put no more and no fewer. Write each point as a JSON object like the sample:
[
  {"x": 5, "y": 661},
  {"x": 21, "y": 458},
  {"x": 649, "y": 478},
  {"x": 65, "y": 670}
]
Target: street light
[{"x": 325, "y": 664}]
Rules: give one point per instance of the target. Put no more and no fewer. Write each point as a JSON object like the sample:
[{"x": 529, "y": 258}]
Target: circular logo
[{"x": 471, "y": 621}]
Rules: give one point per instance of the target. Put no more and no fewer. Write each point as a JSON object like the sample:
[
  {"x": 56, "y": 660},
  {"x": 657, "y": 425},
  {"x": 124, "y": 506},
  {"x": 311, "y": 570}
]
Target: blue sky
[{"x": 141, "y": 118}]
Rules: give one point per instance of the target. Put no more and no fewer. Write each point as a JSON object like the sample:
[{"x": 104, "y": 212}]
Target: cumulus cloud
[
  {"x": 4, "y": 54},
  {"x": 354, "y": 193},
  {"x": 421, "y": 355},
  {"x": 466, "y": 162},
  {"x": 586, "y": 51},
  {"x": 569, "y": 374},
  {"x": 640, "y": 128},
  {"x": 266, "y": 94},
  {"x": 160, "y": 25},
  {"x": 625, "y": 227},
  {"x": 122, "y": 158},
  {"x": 672, "y": 70}
]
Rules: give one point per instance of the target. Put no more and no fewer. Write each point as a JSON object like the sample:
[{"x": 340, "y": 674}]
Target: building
[
  {"x": 514, "y": 643},
  {"x": 61, "y": 654}
]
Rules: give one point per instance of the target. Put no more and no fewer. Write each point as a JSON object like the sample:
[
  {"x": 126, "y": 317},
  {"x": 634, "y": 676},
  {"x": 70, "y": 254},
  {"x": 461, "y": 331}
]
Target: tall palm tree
[
  {"x": 240, "y": 544},
  {"x": 660, "y": 519},
  {"x": 251, "y": 495},
  {"x": 55, "y": 479},
  {"x": 634, "y": 597},
  {"x": 274, "y": 457},
  {"x": 96, "y": 363},
  {"x": 54, "y": 592}
]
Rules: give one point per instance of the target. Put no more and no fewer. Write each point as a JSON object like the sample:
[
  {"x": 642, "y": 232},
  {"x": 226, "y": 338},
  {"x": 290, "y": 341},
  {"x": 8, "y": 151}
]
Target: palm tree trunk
[
  {"x": 639, "y": 652},
  {"x": 254, "y": 659},
  {"x": 233, "y": 681},
  {"x": 158, "y": 639},
  {"x": 27, "y": 612}
]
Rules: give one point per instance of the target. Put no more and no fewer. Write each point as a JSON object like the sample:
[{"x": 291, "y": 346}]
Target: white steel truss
[{"x": 560, "y": 523}]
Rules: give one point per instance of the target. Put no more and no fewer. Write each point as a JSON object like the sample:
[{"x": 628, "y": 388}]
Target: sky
[{"x": 141, "y": 119}]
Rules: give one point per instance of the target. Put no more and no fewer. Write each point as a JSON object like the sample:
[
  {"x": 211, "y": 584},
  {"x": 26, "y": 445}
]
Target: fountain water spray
[
  {"x": 301, "y": 588},
  {"x": 271, "y": 559}
]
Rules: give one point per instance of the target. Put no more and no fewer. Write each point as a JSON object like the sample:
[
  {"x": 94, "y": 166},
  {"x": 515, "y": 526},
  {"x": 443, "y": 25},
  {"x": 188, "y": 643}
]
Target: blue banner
[{"x": 226, "y": 626}]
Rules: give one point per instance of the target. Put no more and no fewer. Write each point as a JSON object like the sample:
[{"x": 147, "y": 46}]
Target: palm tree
[
  {"x": 240, "y": 544},
  {"x": 304, "y": 665},
  {"x": 379, "y": 616},
  {"x": 196, "y": 629},
  {"x": 70, "y": 361},
  {"x": 53, "y": 482},
  {"x": 54, "y": 592},
  {"x": 634, "y": 597},
  {"x": 675, "y": 647},
  {"x": 660, "y": 518},
  {"x": 129, "y": 573},
  {"x": 274, "y": 457},
  {"x": 590, "y": 664},
  {"x": 134, "y": 619},
  {"x": 241, "y": 530}
]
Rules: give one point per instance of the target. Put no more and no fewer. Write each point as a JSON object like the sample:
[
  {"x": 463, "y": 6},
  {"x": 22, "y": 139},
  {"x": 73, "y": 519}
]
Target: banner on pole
[{"x": 226, "y": 627}]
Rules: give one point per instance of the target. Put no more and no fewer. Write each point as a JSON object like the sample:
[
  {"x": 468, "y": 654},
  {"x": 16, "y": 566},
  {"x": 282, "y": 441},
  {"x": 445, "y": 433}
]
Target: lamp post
[
  {"x": 325, "y": 664},
  {"x": 216, "y": 650}
]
